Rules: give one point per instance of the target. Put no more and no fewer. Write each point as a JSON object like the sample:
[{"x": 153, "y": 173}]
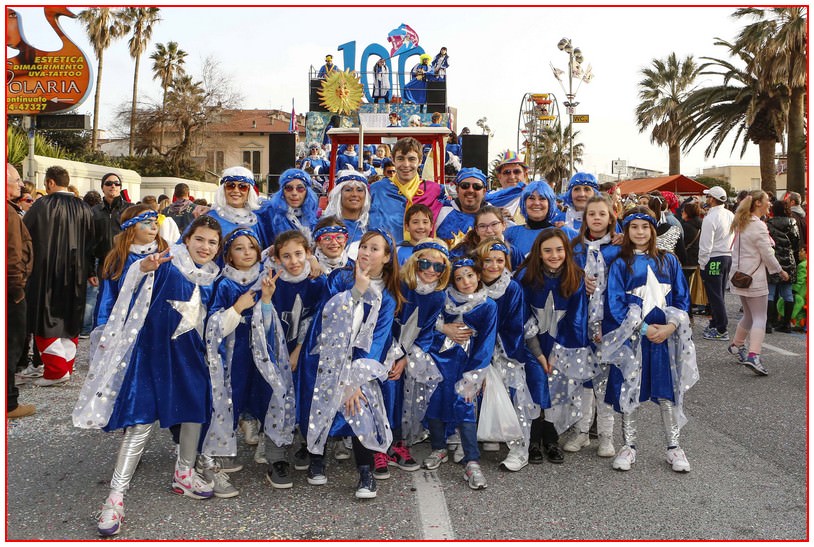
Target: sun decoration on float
[{"x": 341, "y": 92}]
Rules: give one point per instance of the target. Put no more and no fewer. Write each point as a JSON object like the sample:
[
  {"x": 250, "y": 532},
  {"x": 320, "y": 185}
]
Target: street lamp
[{"x": 574, "y": 71}]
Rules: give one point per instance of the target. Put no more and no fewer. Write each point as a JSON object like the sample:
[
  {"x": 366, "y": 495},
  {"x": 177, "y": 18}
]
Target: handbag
[{"x": 739, "y": 279}]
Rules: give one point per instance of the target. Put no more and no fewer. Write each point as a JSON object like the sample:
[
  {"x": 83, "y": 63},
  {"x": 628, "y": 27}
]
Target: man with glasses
[
  {"x": 512, "y": 176},
  {"x": 62, "y": 230},
  {"x": 107, "y": 219},
  {"x": 456, "y": 219}
]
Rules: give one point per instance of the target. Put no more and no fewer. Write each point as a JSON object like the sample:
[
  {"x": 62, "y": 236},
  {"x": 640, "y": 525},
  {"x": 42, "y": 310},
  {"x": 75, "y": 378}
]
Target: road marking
[
  {"x": 432, "y": 506},
  {"x": 778, "y": 350}
]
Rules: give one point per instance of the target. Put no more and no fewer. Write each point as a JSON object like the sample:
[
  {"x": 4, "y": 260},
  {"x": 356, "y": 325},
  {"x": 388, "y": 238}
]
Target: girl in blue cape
[
  {"x": 236, "y": 203},
  {"x": 139, "y": 238},
  {"x": 245, "y": 343},
  {"x": 556, "y": 338},
  {"x": 293, "y": 207},
  {"x": 489, "y": 223},
  {"x": 343, "y": 360},
  {"x": 509, "y": 353},
  {"x": 594, "y": 252},
  {"x": 350, "y": 201},
  {"x": 150, "y": 364},
  {"x": 470, "y": 317},
  {"x": 414, "y": 376},
  {"x": 330, "y": 245},
  {"x": 651, "y": 349},
  {"x": 538, "y": 205}
]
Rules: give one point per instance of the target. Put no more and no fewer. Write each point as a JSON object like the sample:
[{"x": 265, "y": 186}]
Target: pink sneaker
[
  {"x": 380, "y": 470},
  {"x": 186, "y": 482}
]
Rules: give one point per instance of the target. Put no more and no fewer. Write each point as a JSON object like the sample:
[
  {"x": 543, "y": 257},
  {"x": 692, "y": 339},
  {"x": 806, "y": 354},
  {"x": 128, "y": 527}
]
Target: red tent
[{"x": 678, "y": 184}]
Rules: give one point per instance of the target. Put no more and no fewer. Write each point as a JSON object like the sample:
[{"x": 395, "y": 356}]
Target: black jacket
[
  {"x": 786, "y": 245},
  {"x": 106, "y": 224},
  {"x": 692, "y": 236}
]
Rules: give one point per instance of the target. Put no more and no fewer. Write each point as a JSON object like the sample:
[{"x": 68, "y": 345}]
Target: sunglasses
[
  {"x": 110, "y": 183},
  {"x": 424, "y": 264},
  {"x": 27, "y": 200},
  {"x": 467, "y": 185},
  {"x": 517, "y": 172},
  {"x": 298, "y": 188},
  {"x": 338, "y": 238},
  {"x": 390, "y": 172},
  {"x": 242, "y": 186}
]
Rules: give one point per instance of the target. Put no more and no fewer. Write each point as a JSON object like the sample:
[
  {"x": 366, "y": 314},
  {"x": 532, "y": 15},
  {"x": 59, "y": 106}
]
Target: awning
[{"x": 678, "y": 184}]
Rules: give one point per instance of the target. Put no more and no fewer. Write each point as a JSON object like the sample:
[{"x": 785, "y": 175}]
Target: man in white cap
[{"x": 715, "y": 259}]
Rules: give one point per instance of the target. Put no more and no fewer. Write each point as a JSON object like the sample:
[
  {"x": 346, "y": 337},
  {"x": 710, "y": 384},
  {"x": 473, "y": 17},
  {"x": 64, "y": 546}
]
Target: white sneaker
[
  {"x": 473, "y": 475},
  {"x": 458, "y": 455},
  {"x": 625, "y": 458},
  {"x": 516, "y": 459},
  {"x": 491, "y": 447},
  {"x": 260, "y": 451},
  {"x": 32, "y": 372},
  {"x": 577, "y": 442},
  {"x": 606, "y": 449},
  {"x": 678, "y": 460},
  {"x": 43, "y": 382},
  {"x": 251, "y": 430},
  {"x": 453, "y": 439},
  {"x": 110, "y": 519}
]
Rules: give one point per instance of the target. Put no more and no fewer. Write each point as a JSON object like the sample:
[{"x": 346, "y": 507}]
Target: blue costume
[
  {"x": 159, "y": 333},
  {"x": 452, "y": 222},
  {"x": 523, "y": 237},
  {"x": 404, "y": 251},
  {"x": 653, "y": 288},
  {"x": 413, "y": 331},
  {"x": 415, "y": 91},
  {"x": 367, "y": 357},
  {"x": 457, "y": 362},
  {"x": 573, "y": 218},
  {"x": 388, "y": 205}
]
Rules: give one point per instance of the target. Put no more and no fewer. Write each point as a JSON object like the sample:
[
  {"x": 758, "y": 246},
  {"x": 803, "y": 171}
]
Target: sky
[{"x": 496, "y": 56}]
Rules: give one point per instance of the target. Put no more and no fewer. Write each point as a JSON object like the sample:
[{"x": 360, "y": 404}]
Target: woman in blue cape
[
  {"x": 538, "y": 205},
  {"x": 293, "y": 207},
  {"x": 236, "y": 203}
]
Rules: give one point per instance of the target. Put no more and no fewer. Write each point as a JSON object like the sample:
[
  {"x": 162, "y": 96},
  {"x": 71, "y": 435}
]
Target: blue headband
[
  {"x": 290, "y": 174},
  {"x": 463, "y": 263},
  {"x": 431, "y": 245},
  {"x": 499, "y": 247},
  {"x": 385, "y": 235},
  {"x": 355, "y": 176},
  {"x": 330, "y": 230},
  {"x": 638, "y": 216},
  {"x": 470, "y": 173},
  {"x": 146, "y": 215},
  {"x": 236, "y": 234},
  {"x": 238, "y": 178}
]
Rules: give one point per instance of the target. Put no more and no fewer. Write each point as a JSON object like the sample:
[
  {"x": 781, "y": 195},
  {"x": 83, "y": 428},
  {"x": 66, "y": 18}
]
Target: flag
[{"x": 292, "y": 125}]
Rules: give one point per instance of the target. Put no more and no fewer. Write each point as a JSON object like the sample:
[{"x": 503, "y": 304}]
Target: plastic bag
[{"x": 497, "y": 421}]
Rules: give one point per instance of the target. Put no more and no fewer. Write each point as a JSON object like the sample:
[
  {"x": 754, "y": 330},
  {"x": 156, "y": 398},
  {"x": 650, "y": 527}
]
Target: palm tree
[
  {"x": 141, "y": 21},
  {"x": 662, "y": 92},
  {"x": 103, "y": 26},
  {"x": 741, "y": 105},
  {"x": 168, "y": 64},
  {"x": 552, "y": 156},
  {"x": 778, "y": 41}
]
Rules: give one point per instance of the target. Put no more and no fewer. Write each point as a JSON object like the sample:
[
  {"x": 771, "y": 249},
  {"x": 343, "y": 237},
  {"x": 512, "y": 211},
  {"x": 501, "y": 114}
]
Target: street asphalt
[{"x": 746, "y": 440}]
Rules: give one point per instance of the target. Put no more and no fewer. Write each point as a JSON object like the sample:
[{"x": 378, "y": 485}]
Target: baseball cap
[{"x": 717, "y": 192}]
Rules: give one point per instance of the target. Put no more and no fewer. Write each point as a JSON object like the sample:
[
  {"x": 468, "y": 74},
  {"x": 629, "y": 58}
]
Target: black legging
[{"x": 363, "y": 456}]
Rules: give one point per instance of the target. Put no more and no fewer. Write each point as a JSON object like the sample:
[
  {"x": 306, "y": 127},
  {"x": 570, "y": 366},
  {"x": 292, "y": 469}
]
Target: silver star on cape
[
  {"x": 548, "y": 318},
  {"x": 192, "y": 313},
  {"x": 292, "y": 318},
  {"x": 449, "y": 342},
  {"x": 652, "y": 293},
  {"x": 409, "y": 331}
]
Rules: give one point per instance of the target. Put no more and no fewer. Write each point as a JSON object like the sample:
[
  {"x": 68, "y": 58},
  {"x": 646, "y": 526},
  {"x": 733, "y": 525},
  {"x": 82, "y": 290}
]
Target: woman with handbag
[
  {"x": 691, "y": 221},
  {"x": 752, "y": 256}
]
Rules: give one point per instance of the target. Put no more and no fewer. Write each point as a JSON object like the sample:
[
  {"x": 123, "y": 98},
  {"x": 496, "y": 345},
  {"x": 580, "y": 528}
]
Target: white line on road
[
  {"x": 778, "y": 350},
  {"x": 432, "y": 506}
]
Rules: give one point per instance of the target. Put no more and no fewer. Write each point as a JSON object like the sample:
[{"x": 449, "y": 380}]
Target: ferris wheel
[{"x": 538, "y": 111}]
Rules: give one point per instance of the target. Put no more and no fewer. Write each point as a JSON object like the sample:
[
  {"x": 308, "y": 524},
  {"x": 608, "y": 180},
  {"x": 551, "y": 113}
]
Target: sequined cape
[
  {"x": 109, "y": 290},
  {"x": 446, "y": 404},
  {"x": 656, "y": 376},
  {"x": 339, "y": 281}
]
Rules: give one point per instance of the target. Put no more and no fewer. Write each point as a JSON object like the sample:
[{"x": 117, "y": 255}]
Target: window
[
  {"x": 214, "y": 161},
  {"x": 251, "y": 160}
]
